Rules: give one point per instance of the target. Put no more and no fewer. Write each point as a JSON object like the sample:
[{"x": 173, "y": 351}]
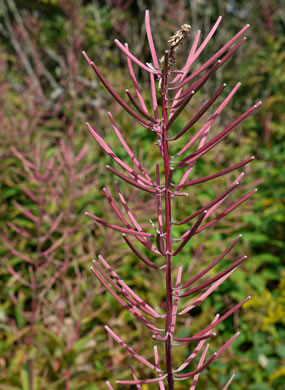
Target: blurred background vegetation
[{"x": 52, "y": 311}]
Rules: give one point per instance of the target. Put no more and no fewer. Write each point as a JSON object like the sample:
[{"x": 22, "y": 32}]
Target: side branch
[
  {"x": 118, "y": 228},
  {"x": 215, "y": 175}
]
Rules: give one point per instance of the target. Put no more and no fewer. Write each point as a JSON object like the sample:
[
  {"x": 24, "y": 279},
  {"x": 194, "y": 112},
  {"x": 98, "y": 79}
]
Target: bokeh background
[{"x": 52, "y": 310}]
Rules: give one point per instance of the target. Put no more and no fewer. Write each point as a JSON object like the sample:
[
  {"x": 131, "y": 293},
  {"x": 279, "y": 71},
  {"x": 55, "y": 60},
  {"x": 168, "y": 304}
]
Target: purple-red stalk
[{"x": 164, "y": 191}]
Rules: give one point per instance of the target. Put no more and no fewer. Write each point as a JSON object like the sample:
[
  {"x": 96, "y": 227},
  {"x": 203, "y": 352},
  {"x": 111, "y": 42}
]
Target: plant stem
[
  {"x": 67, "y": 380},
  {"x": 34, "y": 285},
  {"x": 168, "y": 233},
  {"x": 31, "y": 374}
]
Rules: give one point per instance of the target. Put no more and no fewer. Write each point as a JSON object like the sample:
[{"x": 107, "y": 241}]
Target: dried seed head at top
[{"x": 174, "y": 42}]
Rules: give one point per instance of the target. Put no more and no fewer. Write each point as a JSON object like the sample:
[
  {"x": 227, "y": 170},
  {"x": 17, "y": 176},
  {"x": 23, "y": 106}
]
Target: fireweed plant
[{"x": 176, "y": 89}]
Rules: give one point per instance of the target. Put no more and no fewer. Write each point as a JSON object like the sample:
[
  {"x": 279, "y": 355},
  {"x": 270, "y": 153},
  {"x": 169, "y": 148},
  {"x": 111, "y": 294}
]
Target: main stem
[{"x": 168, "y": 249}]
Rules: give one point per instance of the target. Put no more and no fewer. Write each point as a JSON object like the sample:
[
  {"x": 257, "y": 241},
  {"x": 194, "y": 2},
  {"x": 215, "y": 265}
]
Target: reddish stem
[
  {"x": 166, "y": 160},
  {"x": 67, "y": 380}
]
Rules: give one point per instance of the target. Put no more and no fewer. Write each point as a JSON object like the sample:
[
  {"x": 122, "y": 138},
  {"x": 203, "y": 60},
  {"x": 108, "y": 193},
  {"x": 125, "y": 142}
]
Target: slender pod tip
[
  {"x": 86, "y": 56},
  {"x": 240, "y": 235},
  {"x": 245, "y": 257},
  {"x": 224, "y": 84},
  {"x": 237, "y": 183},
  {"x": 256, "y": 189},
  {"x": 253, "y": 157}
]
